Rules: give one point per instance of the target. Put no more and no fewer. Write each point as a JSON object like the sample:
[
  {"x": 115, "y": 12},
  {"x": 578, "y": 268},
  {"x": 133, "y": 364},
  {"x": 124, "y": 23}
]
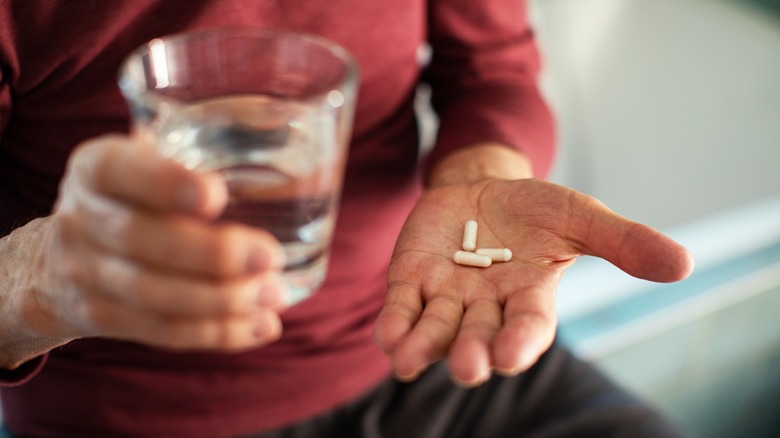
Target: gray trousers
[{"x": 559, "y": 397}]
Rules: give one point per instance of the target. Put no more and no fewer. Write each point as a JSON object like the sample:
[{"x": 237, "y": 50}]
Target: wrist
[
  {"x": 21, "y": 267},
  {"x": 479, "y": 162}
]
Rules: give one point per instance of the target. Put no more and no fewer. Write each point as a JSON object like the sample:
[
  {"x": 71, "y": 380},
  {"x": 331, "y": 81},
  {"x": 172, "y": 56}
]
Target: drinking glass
[{"x": 271, "y": 111}]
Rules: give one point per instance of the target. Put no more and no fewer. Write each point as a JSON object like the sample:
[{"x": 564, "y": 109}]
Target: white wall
[{"x": 669, "y": 110}]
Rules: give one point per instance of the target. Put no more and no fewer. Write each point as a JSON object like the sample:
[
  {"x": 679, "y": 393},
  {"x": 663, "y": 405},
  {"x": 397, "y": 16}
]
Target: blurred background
[{"x": 669, "y": 112}]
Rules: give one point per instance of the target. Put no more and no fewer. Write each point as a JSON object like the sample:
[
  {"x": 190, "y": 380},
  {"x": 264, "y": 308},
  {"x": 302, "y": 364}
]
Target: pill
[
  {"x": 496, "y": 254},
  {"x": 467, "y": 258},
  {"x": 470, "y": 236}
]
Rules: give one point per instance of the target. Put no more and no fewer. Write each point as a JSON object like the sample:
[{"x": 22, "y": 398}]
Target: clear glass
[{"x": 271, "y": 111}]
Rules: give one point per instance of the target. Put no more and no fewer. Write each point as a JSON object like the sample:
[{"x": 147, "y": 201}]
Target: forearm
[
  {"x": 20, "y": 255},
  {"x": 479, "y": 162},
  {"x": 483, "y": 76}
]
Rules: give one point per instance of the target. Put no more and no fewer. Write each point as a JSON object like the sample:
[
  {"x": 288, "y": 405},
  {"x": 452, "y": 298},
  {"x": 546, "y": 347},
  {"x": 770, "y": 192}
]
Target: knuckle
[
  {"x": 206, "y": 300},
  {"x": 128, "y": 282},
  {"x": 542, "y": 318},
  {"x": 75, "y": 271},
  {"x": 533, "y": 321},
  {"x": 225, "y": 334},
  {"x": 117, "y": 226},
  {"x": 230, "y": 299},
  {"x": 481, "y": 329},
  {"x": 209, "y": 334},
  {"x": 92, "y": 316},
  {"x": 82, "y": 156},
  {"x": 67, "y": 225},
  {"x": 87, "y": 158},
  {"x": 441, "y": 322},
  {"x": 224, "y": 250}
]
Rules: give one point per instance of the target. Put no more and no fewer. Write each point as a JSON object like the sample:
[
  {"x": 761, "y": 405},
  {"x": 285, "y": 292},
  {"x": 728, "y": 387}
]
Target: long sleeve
[
  {"x": 24, "y": 373},
  {"x": 483, "y": 74}
]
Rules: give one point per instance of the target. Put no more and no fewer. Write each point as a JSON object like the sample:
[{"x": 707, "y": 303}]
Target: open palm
[{"x": 501, "y": 317}]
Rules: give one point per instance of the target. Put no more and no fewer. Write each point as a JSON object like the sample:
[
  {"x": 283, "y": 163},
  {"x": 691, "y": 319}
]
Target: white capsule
[
  {"x": 472, "y": 259},
  {"x": 470, "y": 236},
  {"x": 496, "y": 254}
]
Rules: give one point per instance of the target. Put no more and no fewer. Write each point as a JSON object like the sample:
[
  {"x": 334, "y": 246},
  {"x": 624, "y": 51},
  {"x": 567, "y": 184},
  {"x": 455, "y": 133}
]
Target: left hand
[{"x": 502, "y": 317}]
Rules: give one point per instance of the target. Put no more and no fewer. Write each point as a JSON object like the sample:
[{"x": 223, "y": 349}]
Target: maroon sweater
[{"x": 58, "y": 87}]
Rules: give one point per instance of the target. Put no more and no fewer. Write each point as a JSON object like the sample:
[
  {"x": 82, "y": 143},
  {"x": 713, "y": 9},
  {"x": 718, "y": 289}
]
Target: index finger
[
  {"x": 134, "y": 172},
  {"x": 528, "y": 331}
]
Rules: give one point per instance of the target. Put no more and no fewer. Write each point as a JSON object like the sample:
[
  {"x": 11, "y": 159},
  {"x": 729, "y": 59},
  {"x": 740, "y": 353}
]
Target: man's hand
[
  {"x": 132, "y": 252},
  {"x": 502, "y": 317}
]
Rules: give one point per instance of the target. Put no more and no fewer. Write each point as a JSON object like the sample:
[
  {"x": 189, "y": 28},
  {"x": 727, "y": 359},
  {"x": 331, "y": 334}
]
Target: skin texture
[
  {"x": 131, "y": 251},
  {"x": 500, "y": 318}
]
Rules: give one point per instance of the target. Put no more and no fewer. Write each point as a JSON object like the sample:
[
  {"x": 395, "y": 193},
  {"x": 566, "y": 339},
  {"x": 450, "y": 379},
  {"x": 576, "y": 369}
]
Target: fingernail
[
  {"x": 476, "y": 381},
  {"x": 267, "y": 329},
  {"x": 272, "y": 294},
  {"x": 470, "y": 384},
  {"x": 265, "y": 257},
  {"x": 507, "y": 372},
  {"x": 408, "y": 377}
]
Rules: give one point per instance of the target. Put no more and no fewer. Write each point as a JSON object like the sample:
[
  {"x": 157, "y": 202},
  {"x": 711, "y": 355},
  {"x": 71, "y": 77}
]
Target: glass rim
[{"x": 130, "y": 88}]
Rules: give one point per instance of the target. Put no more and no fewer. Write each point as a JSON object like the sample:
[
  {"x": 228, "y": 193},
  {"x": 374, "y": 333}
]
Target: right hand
[{"x": 132, "y": 252}]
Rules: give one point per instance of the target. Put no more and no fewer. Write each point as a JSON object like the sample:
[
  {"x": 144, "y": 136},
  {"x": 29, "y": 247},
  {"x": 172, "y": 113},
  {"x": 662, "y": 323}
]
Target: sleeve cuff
[{"x": 23, "y": 373}]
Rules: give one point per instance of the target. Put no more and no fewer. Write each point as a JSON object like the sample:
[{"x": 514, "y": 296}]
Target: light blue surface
[
  {"x": 654, "y": 299},
  {"x": 705, "y": 350},
  {"x": 717, "y": 374}
]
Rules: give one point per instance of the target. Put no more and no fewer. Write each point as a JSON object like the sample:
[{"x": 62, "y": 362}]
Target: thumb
[{"x": 637, "y": 249}]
